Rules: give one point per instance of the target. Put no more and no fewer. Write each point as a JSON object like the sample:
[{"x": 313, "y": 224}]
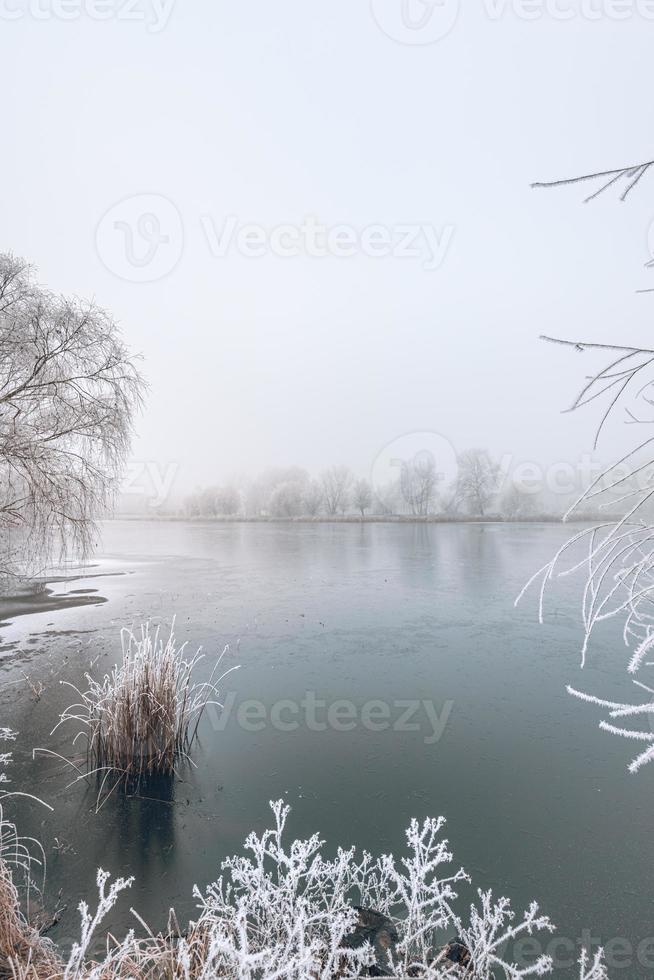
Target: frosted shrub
[
  {"x": 491, "y": 928},
  {"x": 283, "y": 910},
  {"x": 413, "y": 892},
  {"x": 90, "y": 923},
  {"x": 285, "y": 906}
]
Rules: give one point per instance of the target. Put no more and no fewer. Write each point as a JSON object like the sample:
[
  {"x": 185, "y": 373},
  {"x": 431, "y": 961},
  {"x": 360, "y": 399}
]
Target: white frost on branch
[
  {"x": 491, "y": 929},
  {"x": 616, "y": 556},
  {"x": 283, "y": 911},
  {"x": 90, "y": 924},
  {"x": 592, "y": 969}
]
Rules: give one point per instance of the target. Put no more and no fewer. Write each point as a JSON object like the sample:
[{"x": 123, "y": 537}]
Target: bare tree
[
  {"x": 477, "y": 480},
  {"x": 229, "y": 500},
  {"x": 418, "y": 482},
  {"x": 192, "y": 504},
  {"x": 362, "y": 496},
  {"x": 517, "y": 502},
  {"x": 220, "y": 501},
  {"x": 387, "y": 498},
  {"x": 451, "y": 501},
  {"x": 69, "y": 390},
  {"x": 286, "y": 499},
  {"x": 208, "y": 505},
  {"x": 336, "y": 483},
  {"x": 312, "y": 499},
  {"x": 261, "y": 491}
]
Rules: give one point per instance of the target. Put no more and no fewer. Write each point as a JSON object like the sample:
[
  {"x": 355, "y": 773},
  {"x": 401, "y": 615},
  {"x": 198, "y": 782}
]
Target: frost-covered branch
[
  {"x": 592, "y": 968},
  {"x": 624, "y": 178},
  {"x": 616, "y": 557},
  {"x": 284, "y": 911}
]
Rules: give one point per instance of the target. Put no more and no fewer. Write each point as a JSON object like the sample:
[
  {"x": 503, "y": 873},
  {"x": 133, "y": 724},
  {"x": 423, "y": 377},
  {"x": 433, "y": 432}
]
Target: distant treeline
[{"x": 418, "y": 492}]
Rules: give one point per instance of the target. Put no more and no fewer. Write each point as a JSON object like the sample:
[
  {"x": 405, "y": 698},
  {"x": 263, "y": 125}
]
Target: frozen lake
[{"x": 391, "y": 677}]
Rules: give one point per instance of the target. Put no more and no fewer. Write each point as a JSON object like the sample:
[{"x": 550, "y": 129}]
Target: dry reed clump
[
  {"x": 141, "y": 719},
  {"x": 24, "y": 952}
]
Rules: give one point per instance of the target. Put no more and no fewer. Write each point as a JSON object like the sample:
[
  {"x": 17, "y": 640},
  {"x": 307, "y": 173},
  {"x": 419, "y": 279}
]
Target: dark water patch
[
  {"x": 56, "y": 632},
  {"x": 44, "y": 601},
  {"x": 57, "y": 579},
  {"x": 36, "y": 596}
]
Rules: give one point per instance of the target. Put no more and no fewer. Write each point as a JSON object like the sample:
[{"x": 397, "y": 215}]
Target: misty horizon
[{"x": 418, "y": 304}]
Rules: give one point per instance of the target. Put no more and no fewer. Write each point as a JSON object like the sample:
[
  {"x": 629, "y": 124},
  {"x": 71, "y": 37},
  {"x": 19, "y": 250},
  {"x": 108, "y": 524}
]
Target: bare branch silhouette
[{"x": 631, "y": 175}]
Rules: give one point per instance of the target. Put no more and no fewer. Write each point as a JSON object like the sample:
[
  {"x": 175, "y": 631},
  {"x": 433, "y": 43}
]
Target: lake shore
[{"x": 369, "y": 519}]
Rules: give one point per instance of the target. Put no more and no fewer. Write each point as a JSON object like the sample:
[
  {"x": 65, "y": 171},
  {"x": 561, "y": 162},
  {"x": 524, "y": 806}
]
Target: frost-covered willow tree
[
  {"x": 617, "y": 555},
  {"x": 69, "y": 390}
]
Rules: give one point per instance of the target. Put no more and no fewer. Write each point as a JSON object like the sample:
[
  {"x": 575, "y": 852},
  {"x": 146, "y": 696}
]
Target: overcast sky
[{"x": 136, "y": 147}]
